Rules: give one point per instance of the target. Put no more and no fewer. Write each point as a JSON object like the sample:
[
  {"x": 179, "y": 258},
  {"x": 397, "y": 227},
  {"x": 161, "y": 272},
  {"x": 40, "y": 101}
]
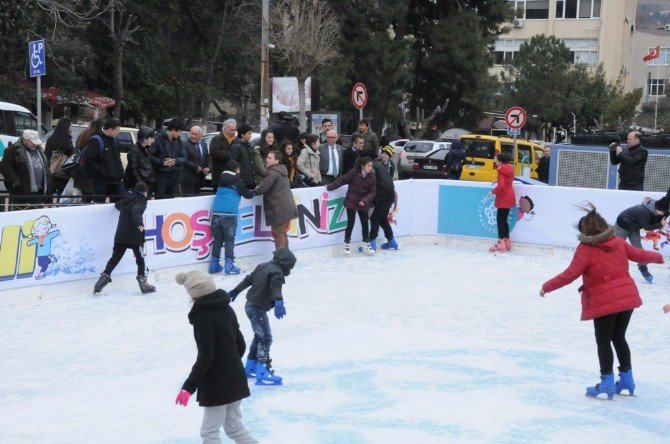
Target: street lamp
[{"x": 265, "y": 66}]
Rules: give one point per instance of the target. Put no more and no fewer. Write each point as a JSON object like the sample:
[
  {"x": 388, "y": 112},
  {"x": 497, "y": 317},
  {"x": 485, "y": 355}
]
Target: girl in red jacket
[
  {"x": 609, "y": 295},
  {"x": 504, "y": 193}
]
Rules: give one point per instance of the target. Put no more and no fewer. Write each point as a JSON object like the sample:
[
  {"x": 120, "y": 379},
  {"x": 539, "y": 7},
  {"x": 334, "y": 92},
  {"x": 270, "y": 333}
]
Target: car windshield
[
  {"x": 419, "y": 147},
  {"x": 479, "y": 148}
]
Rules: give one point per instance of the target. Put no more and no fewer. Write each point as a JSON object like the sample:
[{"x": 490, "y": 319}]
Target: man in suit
[
  {"x": 331, "y": 158},
  {"x": 196, "y": 166},
  {"x": 349, "y": 155}
]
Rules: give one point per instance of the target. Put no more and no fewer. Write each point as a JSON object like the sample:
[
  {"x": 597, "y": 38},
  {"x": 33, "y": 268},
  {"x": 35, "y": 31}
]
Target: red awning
[
  {"x": 91, "y": 98},
  {"x": 98, "y": 100}
]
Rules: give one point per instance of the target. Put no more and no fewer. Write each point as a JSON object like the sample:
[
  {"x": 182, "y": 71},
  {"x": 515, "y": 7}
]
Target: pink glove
[{"x": 182, "y": 398}]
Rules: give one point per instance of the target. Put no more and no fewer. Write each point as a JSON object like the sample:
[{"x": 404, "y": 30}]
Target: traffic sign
[
  {"x": 515, "y": 117},
  {"x": 359, "y": 96},
  {"x": 37, "y": 58}
]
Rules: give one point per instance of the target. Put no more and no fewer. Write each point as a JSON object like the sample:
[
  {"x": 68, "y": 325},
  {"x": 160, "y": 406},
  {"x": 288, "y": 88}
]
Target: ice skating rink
[{"x": 438, "y": 342}]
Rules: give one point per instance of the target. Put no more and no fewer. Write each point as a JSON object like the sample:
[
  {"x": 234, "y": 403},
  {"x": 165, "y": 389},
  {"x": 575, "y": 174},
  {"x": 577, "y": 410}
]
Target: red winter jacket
[
  {"x": 602, "y": 261},
  {"x": 504, "y": 191}
]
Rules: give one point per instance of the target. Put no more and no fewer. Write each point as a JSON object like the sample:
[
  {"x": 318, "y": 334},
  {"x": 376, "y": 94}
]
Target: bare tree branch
[{"x": 72, "y": 13}]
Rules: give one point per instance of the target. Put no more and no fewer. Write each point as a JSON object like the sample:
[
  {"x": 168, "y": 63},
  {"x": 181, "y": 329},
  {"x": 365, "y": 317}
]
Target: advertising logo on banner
[
  {"x": 285, "y": 94},
  {"x": 465, "y": 211}
]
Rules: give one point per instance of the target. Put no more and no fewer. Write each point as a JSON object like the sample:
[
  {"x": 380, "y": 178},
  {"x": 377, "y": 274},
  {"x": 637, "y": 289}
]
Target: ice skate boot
[
  {"x": 250, "y": 368},
  {"x": 606, "y": 386},
  {"x": 367, "y": 249},
  {"x": 499, "y": 247},
  {"x": 373, "y": 245},
  {"x": 103, "y": 280},
  {"x": 644, "y": 271},
  {"x": 230, "y": 268},
  {"x": 508, "y": 244},
  {"x": 145, "y": 287},
  {"x": 391, "y": 244},
  {"x": 625, "y": 382},
  {"x": 215, "y": 265},
  {"x": 347, "y": 250},
  {"x": 265, "y": 375}
]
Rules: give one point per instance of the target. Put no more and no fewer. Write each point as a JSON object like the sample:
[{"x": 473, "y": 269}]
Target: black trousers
[
  {"x": 166, "y": 185},
  {"x": 117, "y": 255},
  {"x": 501, "y": 220},
  {"x": 612, "y": 329},
  {"x": 351, "y": 220},
  {"x": 380, "y": 218}
]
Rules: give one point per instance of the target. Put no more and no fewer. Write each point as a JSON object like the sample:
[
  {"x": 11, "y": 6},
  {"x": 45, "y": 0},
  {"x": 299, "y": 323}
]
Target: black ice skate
[
  {"x": 145, "y": 287},
  {"x": 103, "y": 280}
]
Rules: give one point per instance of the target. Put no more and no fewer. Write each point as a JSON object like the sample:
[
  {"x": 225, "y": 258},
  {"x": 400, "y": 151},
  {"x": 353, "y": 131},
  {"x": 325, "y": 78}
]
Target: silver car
[{"x": 416, "y": 149}]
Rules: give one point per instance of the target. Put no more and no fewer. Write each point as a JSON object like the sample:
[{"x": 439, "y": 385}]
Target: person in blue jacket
[{"x": 224, "y": 217}]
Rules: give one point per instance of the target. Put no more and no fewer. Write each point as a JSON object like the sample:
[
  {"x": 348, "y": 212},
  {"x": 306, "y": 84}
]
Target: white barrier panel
[{"x": 61, "y": 244}]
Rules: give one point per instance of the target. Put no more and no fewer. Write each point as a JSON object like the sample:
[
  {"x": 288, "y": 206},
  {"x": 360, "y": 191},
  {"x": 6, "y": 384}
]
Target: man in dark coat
[
  {"x": 633, "y": 161},
  {"x": 139, "y": 168},
  {"x": 349, "y": 155},
  {"x": 218, "y": 374},
  {"x": 219, "y": 150},
  {"x": 168, "y": 156},
  {"x": 196, "y": 166},
  {"x": 25, "y": 170},
  {"x": 543, "y": 165},
  {"x": 285, "y": 129},
  {"x": 104, "y": 163},
  {"x": 454, "y": 160},
  {"x": 383, "y": 202},
  {"x": 129, "y": 235},
  {"x": 278, "y": 204},
  {"x": 649, "y": 215},
  {"x": 240, "y": 152}
]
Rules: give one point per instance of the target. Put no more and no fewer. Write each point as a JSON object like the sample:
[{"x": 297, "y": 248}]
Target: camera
[{"x": 613, "y": 146}]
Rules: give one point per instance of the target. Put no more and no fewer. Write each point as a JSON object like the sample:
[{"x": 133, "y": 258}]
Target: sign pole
[{"x": 39, "y": 106}]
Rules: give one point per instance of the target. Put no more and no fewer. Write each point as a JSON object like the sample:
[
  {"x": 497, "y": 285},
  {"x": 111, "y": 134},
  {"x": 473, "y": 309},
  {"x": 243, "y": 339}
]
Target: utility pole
[{"x": 265, "y": 65}]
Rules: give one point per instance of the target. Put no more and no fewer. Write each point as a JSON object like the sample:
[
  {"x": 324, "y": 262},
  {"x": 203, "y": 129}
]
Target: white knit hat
[{"x": 197, "y": 283}]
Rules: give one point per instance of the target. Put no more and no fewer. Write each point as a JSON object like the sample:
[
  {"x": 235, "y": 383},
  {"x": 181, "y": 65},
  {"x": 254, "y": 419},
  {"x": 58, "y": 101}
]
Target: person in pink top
[
  {"x": 609, "y": 295},
  {"x": 504, "y": 193}
]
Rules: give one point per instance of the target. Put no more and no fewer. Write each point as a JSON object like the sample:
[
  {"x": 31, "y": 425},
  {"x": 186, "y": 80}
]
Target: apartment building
[
  {"x": 652, "y": 76},
  {"x": 596, "y": 31}
]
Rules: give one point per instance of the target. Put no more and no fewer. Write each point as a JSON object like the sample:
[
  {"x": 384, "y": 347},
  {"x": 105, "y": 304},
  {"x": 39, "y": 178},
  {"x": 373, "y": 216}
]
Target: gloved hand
[
  {"x": 233, "y": 294},
  {"x": 280, "y": 311},
  {"x": 182, "y": 398}
]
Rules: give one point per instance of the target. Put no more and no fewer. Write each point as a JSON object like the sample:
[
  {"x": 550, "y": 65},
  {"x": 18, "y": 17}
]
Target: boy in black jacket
[
  {"x": 266, "y": 283},
  {"x": 649, "y": 215},
  {"x": 217, "y": 374},
  {"x": 129, "y": 235}
]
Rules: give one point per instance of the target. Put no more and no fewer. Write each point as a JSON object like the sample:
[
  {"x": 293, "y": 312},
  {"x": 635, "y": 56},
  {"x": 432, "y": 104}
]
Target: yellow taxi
[{"x": 480, "y": 149}]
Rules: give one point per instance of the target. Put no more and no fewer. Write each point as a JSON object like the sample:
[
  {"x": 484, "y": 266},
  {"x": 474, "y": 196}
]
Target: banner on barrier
[{"x": 61, "y": 244}]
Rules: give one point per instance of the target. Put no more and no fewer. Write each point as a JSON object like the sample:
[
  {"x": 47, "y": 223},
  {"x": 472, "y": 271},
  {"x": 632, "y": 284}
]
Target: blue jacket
[{"x": 231, "y": 188}]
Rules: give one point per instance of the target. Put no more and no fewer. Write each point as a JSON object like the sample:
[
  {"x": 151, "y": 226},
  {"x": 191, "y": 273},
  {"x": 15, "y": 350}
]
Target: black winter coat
[
  {"x": 219, "y": 152},
  {"x": 164, "y": 148},
  {"x": 218, "y": 374},
  {"x": 543, "y": 169},
  {"x": 132, "y": 207},
  {"x": 385, "y": 186},
  {"x": 349, "y": 156},
  {"x": 194, "y": 160},
  {"x": 633, "y": 161},
  {"x": 240, "y": 152},
  {"x": 267, "y": 279},
  {"x": 105, "y": 166},
  {"x": 139, "y": 167},
  {"x": 639, "y": 217}
]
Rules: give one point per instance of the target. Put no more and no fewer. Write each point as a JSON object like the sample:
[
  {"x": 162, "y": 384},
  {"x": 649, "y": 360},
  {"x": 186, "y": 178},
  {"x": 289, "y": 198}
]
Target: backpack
[{"x": 83, "y": 155}]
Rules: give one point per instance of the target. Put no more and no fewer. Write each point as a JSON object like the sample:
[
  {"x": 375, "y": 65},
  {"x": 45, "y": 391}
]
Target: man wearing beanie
[
  {"x": 649, "y": 215},
  {"x": 454, "y": 160},
  {"x": 218, "y": 374}
]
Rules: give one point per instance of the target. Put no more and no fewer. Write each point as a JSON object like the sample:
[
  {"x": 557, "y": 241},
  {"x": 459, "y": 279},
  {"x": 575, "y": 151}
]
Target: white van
[{"x": 13, "y": 120}]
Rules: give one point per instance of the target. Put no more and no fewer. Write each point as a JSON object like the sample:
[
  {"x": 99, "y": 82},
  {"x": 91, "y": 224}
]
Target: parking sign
[{"x": 37, "y": 58}]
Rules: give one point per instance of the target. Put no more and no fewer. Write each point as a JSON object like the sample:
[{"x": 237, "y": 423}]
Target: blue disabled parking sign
[{"x": 37, "y": 58}]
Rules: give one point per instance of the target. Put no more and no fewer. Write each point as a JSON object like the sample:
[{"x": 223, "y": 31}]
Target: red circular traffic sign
[
  {"x": 515, "y": 117},
  {"x": 359, "y": 96}
]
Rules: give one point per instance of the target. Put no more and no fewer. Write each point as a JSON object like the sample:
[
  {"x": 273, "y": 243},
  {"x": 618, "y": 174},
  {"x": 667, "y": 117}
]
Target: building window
[
  {"x": 662, "y": 60},
  {"x": 570, "y": 9},
  {"x": 531, "y": 9},
  {"x": 583, "y": 51},
  {"x": 505, "y": 50},
  {"x": 655, "y": 87}
]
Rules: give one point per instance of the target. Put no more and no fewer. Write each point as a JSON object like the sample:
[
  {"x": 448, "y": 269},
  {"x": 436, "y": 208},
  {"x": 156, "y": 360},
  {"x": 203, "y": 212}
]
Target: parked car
[
  {"x": 431, "y": 166},
  {"x": 480, "y": 149},
  {"x": 415, "y": 149},
  {"x": 13, "y": 120}
]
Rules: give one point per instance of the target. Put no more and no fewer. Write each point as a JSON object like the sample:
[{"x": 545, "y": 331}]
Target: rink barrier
[{"x": 75, "y": 243}]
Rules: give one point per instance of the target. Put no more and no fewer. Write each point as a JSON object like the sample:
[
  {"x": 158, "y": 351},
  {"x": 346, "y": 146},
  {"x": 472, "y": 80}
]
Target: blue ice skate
[
  {"x": 250, "y": 368},
  {"x": 265, "y": 375},
  {"x": 215, "y": 265},
  {"x": 230, "y": 268},
  {"x": 390, "y": 244},
  {"x": 645, "y": 274},
  {"x": 606, "y": 386},
  {"x": 626, "y": 382}
]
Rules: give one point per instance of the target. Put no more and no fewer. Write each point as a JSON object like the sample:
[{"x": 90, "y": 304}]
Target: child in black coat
[
  {"x": 266, "y": 283},
  {"x": 129, "y": 235},
  {"x": 217, "y": 374},
  {"x": 649, "y": 215}
]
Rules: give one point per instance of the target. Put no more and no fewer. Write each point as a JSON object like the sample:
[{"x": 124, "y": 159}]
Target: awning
[{"x": 91, "y": 98}]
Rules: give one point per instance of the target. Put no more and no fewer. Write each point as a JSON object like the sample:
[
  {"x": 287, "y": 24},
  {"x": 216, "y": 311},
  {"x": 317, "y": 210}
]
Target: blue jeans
[
  {"x": 260, "y": 324},
  {"x": 223, "y": 229}
]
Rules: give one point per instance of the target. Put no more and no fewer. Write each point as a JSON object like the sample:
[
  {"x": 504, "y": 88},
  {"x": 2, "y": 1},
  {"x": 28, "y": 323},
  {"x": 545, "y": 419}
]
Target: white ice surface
[{"x": 440, "y": 342}]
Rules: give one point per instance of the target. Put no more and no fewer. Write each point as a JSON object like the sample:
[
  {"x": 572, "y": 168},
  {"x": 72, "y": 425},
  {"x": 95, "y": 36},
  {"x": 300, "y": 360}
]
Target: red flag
[{"x": 653, "y": 54}]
